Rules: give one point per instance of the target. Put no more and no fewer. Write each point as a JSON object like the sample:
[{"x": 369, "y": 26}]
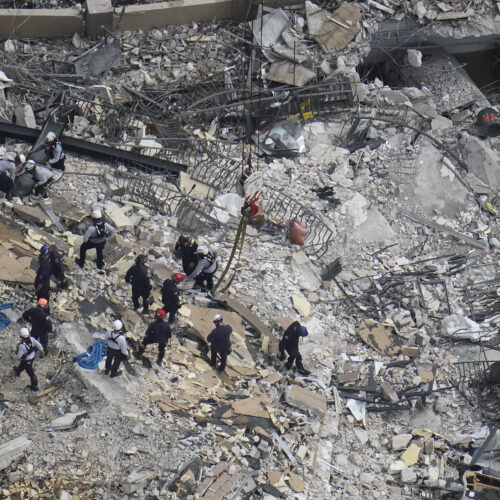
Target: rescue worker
[
  {"x": 25, "y": 352},
  {"x": 170, "y": 296},
  {"x": 158, "y": 332},
  {"x": 8, "y": 166},
  {"x": 220, "y": 342},
  {"x": 117, "y": 349},
  {"x": 290, "y": 343},
  {"x": 186, "y": 249},
  {"x": 138, "y": 277},
  {"x": 41, "y": 325},
  {"x": 51, "y": 258},
  {"x": 42, "y": 177},
  {"x": 95, "y": 237},
  {"x": 54, "y": 152},
  {"x": 203, "y": 273},
  {"x": 42, "y": 283}
]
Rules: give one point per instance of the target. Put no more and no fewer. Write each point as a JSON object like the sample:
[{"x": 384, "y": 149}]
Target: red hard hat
[
  {"x": 177, "y": 277},
  {"x": 43, "y": 302},
  {"x": 160, "y": 314}
]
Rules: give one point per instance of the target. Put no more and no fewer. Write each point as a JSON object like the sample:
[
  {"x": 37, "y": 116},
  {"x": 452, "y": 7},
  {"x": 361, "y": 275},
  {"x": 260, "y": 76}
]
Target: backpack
[
  {"x": 30, "y": 348},
  {"x": 100, "y": 230}
]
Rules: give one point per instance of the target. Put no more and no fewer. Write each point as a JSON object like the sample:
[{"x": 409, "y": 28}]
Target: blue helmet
[
  {"x": 303, "y": 331},
  {"x": 45, "y": 248}
]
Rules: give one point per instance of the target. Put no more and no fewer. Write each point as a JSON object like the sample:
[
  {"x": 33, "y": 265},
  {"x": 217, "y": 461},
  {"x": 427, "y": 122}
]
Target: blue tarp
[
  {"x": 90, "y": 359},
  {"x": 4, "y": 321}
]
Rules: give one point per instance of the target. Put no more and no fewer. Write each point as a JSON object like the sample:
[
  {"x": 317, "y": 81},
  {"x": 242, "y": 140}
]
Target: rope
[
  {"x": 242, "y": 228},
  {"x": 90, "y": 360}
]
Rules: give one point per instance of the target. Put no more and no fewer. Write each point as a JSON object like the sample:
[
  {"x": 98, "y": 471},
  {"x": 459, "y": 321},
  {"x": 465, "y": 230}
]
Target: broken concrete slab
[
  {"x": 302, "y": 306},
  {"x": 401, "y": 441},
  {"x": 290, "y": 73},
  {"x": 309, "y": 279},
  {"x": 32, "y": 214},
  {"x": 16, "y": 266},
  {"x": 437, "y": 193},
  {"x": 389, "y": 392},
  {"x": 411, "y": 455},
  {"x": 482, "y": 161},
  {"x": 13, "y": 449},
  {"x": 25, "y": 116},
  {"x": 335, "y": 31},
  {"x": 67, "y": 421},
  {"x": 119, "y": 218},
  {"x": 253, "y": 406},
  {"x": 305, "y": 399},
  {"x": 380, "y": 337}
]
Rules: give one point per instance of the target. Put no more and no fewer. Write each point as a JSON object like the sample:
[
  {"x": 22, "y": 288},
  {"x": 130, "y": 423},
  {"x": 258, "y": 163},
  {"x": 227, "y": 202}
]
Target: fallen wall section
[{"x": 40, "y": 23}]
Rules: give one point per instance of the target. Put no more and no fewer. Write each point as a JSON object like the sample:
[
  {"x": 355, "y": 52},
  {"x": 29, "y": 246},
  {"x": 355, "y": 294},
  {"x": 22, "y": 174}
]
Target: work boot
[
  {"x": 16, "y": 371},
  {"x": 301, "y": 369},
  {"x": 158, "y": 361},
  {"x": 79, "y": 263},
  {"x": 288, "y": 365},
  {"x": 138, "y": 354},
  {"x": 117, "y": 374},
  {"x": 34, "y": 388},
  {"x": 282, "y": 356},
  {"x": 106, "y": 372}
]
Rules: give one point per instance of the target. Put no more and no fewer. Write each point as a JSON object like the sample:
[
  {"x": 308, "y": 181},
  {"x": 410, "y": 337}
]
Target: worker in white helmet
[
  {"x": 117, "y": 349},
  {"x": 95, "y": 237},
  {"x": 25, "y": 352},
  {"x": 54, "y": 152},
  {"x": 8, "y": 165},
  {"x": 42, "y": 176}
]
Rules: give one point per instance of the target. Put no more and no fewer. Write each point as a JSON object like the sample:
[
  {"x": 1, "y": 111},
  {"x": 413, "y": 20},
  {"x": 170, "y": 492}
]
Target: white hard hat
[
  {"x": 30, "y": 164},
  {"x": 24, "y": 333},
  {"x": 50, "y": 137},
  {"x": 22, "y": 158},
  {"x": 217, "y": 318},
  {"x": 96, "y": 214},
  {"x": 203, "y": 250},
  {"x": 117, "y": 325}
]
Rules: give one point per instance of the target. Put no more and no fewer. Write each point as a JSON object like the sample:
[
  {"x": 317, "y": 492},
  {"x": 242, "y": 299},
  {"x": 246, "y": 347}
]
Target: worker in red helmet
[
  {"x": 158, "y": 332},
  {"x": 170, "y": 296},
  {"x": 41, "y": 325},
  {"x": 186, "y": 249}
]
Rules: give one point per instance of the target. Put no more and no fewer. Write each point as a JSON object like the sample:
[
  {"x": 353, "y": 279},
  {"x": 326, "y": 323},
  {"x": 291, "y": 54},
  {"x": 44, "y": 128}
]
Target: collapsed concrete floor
[{"x": 403, "y": 333}]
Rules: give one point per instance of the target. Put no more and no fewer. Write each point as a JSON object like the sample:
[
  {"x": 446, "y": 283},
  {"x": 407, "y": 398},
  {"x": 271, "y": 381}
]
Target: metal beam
[{"x": 94, "y": 150}]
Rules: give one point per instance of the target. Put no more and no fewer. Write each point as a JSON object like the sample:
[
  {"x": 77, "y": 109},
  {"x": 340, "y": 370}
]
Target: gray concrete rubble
[{"x": 354, "y": 128}]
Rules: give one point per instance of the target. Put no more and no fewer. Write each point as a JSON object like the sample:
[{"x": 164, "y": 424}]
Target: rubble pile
[{"x": 396, "y": 280}]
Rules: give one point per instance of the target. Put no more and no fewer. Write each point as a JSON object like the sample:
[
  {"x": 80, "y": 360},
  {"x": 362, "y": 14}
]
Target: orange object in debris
[{"x": 296, "y": 231}]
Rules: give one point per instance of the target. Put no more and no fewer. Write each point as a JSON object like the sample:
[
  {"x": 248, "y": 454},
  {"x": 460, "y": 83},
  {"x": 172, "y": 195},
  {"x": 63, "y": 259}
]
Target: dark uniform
[
  {"x": 53, "y": 260},
  {"x": 158, "y": 332},
  {"x": 187, "y": 253},
  {"x": 41, "y": 325},
  {"x": 290, "y": 344},
  {"x": 170, "y": 299},
  {"x": 138, "y": 277},
  {"x": 220, "y": 340},
  {"x": 25, "y": 352},
  {"x": 42, "y": 283}
]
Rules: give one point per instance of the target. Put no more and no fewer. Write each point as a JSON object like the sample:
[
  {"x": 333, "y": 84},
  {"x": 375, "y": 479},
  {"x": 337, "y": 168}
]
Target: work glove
[
  {"x": 282, "y": 356},
  {"x": 41, "y": 353}
]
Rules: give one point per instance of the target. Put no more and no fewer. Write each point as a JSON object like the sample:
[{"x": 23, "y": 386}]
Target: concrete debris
[
  {"x": 335, "y": 31},
  {"x": 387, "y": 152},
  {"x": 13, "y": 449},
  {"x": 382, "y": 338},
  {"x": 305, "y": 399}
]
